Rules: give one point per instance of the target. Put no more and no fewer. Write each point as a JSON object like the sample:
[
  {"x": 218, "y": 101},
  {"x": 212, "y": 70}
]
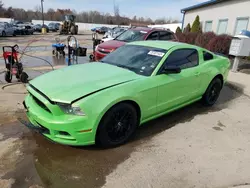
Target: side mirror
[{"x": 171, "y": 70}]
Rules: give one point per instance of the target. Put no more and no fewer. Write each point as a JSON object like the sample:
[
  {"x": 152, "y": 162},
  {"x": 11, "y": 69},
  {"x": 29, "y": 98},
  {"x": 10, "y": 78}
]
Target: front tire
[
  {"x": 212, "y": 93},
  {"x": 24, "y": 77},
  {"x": 117, "y": 126}
]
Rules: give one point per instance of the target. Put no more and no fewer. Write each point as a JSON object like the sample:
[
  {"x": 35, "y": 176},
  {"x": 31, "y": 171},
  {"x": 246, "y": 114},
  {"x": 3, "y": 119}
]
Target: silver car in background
[
  {"x": 7, "y": 29},
  {"x": 112, "y": 34}
]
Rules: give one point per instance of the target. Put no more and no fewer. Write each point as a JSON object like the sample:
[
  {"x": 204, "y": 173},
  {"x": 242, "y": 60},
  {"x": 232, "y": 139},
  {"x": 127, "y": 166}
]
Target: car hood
[
  {"x": 71, "y": 83},
  {"x": 113, "y": 44},
  {"x": 107, "y": 39}
]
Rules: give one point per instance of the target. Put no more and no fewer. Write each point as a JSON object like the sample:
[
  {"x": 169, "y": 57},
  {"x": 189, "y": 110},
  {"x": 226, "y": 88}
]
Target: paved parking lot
[{"x": 192, "y": 147}]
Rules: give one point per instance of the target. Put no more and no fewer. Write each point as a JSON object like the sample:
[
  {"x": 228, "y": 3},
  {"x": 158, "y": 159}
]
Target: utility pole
[
  {"x": 43, "y": 28},
  {"x": 42, "y": 11}
]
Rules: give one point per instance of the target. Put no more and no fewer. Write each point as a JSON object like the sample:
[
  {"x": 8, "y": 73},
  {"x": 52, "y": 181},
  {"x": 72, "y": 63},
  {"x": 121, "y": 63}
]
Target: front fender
[{"x": 97, "y": 104}]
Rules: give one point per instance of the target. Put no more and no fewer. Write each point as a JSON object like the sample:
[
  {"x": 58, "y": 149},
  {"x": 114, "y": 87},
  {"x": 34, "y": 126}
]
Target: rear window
[
  {"x": 131, "y": 35},
  {"x": 207, "y": 56},
  {"x": 164, "y": 35}
]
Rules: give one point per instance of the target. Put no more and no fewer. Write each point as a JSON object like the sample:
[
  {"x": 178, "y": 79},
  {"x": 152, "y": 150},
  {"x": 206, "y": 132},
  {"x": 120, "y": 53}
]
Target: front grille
[
  {"x": 41, "y": 104},
  {"x": 43, "y": 129}
]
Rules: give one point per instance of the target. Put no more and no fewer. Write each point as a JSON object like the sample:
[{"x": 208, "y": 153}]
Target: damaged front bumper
[{"x": 63, "y": 129}]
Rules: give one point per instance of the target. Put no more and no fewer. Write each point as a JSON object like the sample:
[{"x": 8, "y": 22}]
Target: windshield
[
  {"x": 2, "y": 24},
  {"x": 131, "y": 35},
  {"x": 69, "y": 17},
  {"x": 139, "y": 59},
  {"x": 118, "y": 33}
]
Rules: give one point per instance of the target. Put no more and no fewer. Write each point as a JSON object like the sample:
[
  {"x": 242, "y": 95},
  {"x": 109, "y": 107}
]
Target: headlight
[{"x": 69, "y": 109}]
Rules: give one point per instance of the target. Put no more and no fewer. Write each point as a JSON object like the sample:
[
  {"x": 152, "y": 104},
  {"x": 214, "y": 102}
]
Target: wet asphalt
[{"x": 53, "y": 165}]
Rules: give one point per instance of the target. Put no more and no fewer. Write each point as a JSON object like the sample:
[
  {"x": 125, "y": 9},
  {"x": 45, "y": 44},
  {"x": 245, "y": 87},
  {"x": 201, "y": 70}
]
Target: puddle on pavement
[
  {"x": 52, "y": 165},
  {"x": 41, "y": 61}
]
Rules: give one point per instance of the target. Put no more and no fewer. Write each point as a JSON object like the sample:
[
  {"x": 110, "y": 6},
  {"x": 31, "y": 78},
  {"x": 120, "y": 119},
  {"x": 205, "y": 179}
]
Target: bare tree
[
  {"x": 85, "y": 17},
  {"x": 50, "y": 14},
  {"x": 160, "y": 21},
  {"x": 20, "y": 14},
  {"x": 1, "y": 4},
  {"x": 2, "y": 9},
  {"x": 9, "y": 13},
  {"x": 117, "y": 12}
]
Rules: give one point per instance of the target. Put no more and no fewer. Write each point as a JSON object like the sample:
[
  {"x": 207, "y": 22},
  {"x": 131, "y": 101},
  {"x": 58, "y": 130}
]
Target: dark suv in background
[
  {"x": 133, "y": 34},
  {"x": 54, "y": 26}
]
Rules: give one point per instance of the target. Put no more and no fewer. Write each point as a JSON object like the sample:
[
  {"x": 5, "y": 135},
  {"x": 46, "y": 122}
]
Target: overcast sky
[{"x": 146, "y": 8}]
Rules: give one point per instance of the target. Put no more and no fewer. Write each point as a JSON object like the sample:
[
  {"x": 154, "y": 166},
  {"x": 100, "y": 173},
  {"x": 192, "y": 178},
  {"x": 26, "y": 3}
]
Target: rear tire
[
  {"x": 60, "y": 30},
  {"x": 212, "y": 93},
  {"x": 117, "y": 125},
  {"x": 18, "y": 77},
  {"x": 73, "y": 30},
  {"x": 8, "y": 76}
]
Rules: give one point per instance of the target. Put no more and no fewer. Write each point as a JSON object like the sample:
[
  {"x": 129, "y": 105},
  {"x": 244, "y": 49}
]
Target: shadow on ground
[
  {"x": 53, "y": 165},
  {"x": 244, "y": 68}
]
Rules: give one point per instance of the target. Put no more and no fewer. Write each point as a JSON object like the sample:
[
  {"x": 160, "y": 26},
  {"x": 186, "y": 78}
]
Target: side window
[
  {"x": 153, "y": 36},
  {"x": 164, "y": 35},
  {"x": 184, "y": 58},
  {"x": 207, "y": 56}
]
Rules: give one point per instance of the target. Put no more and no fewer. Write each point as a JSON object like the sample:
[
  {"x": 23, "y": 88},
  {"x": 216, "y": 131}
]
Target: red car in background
[{"x": 133, "y": 34}]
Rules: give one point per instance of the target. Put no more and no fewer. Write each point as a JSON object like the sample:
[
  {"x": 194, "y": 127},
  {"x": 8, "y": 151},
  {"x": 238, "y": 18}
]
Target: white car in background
[
  {"x": 112, "y": 34},
  {"x": 6, "y": 29}
]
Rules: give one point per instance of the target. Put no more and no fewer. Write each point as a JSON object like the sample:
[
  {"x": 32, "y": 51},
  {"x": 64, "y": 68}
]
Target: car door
[
  {"x": 177, "y": 89},
  {"x": 9, "y": 30}
]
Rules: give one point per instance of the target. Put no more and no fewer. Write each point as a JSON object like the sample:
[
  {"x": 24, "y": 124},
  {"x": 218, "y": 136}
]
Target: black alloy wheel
[
  {"x": 213, "y": 92},
  {"x": 117, "y": 125}
]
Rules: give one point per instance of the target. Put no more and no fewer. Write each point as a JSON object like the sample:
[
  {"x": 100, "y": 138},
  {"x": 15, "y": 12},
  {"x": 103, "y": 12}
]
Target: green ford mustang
[{"x": 104, "y": 102}]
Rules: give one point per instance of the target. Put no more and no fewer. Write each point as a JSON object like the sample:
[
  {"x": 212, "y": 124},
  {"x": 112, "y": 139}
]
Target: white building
[{"x": 220, "y": 16}]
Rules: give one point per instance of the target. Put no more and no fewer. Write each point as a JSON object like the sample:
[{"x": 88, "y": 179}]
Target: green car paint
[{"x": 96, "y": 87}]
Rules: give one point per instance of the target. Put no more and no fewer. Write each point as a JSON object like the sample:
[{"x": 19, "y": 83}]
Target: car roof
[
  {"x": 148, "y": 29},
  {"x": 141, "y": 29},
  {"x": 166, "y": 45}
]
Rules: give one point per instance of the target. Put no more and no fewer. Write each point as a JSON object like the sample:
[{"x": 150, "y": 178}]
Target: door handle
[{"x": 197, "y": 74}]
